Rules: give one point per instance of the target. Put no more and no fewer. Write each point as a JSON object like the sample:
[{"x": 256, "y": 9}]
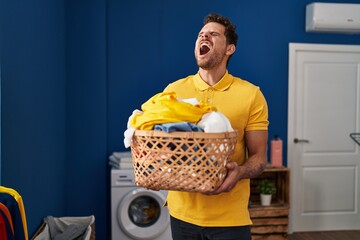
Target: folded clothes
[
  {"x": 123, "y": 156},
  {"x": 177, "y": 127},
  {"x": 120, "y": 160}
]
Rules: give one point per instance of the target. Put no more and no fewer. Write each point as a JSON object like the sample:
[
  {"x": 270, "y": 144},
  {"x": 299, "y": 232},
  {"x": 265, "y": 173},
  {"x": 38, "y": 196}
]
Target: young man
[{"x": 223, "y": 214}]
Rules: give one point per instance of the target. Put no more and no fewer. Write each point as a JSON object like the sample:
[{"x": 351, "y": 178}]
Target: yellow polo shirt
[{"x": 246, "y": 108}]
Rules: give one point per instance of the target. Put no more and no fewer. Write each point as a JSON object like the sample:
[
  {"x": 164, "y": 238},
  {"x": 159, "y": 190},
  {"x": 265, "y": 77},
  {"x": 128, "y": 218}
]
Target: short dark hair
[{"x": 230, "y": 28}]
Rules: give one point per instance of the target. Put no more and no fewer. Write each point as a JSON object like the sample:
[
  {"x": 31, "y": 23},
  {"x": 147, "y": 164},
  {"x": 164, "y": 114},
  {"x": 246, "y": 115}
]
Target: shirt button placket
[{"x": 209, "y": 95}]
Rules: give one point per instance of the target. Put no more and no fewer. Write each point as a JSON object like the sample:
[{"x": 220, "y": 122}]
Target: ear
[{"x": 230, "y": 49}]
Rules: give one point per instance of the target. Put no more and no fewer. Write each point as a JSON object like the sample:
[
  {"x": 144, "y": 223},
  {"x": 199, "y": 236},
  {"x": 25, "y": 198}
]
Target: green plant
[{"x": 266, "y": 187}]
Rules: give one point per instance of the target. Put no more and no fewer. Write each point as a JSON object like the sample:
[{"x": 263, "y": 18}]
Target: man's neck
[{"x": 212, "y": 76}]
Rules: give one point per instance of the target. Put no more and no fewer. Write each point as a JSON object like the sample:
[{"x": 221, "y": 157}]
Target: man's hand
[
  {"x": 232, "y": 177},
  {"x": 256, "y": 142}
]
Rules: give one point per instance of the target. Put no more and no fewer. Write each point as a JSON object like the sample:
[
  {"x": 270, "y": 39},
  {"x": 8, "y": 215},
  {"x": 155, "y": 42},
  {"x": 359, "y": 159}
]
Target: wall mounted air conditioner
[{"x": 333, "y": 17}]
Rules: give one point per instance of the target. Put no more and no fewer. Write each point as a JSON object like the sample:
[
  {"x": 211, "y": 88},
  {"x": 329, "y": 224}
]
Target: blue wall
[
  {"x": 33, "y": 105},
  {"x": 73, "y": 71},
  {"x": 86, "y": 175}
]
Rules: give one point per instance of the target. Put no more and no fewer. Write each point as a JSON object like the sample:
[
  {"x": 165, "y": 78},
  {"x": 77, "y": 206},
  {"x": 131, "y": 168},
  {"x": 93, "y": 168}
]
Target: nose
[{"x": 205, "y": 35}]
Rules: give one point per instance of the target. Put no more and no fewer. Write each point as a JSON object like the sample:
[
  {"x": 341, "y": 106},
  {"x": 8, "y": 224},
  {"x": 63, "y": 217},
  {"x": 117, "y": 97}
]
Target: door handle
[{"x": 301, "y": 140}]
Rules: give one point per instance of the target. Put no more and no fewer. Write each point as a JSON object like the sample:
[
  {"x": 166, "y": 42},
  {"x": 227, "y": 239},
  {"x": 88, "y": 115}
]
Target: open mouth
[{"x": 204, "y": 49}]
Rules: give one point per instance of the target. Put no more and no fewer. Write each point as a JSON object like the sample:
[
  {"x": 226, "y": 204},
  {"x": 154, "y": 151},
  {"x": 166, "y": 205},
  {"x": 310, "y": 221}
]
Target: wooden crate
[
  {"x": 271, "y": 222},
  {"x": 279, "y": 176}
]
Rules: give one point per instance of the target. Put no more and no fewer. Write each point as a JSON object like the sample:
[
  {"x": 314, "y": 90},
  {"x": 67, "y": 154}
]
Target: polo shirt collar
[{"x": 222, "y": 85}]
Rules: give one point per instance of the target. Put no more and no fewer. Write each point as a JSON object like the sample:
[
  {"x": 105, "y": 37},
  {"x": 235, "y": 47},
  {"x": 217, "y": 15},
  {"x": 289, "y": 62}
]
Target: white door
[{"x": 324, "y": 108}]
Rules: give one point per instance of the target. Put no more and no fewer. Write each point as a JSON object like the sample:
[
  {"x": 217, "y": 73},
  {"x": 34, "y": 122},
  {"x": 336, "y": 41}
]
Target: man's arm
[{"x": 256, "y": 142}]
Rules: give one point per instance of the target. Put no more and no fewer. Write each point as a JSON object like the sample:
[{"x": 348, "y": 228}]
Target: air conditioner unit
[{"x": 333, "y": 17}]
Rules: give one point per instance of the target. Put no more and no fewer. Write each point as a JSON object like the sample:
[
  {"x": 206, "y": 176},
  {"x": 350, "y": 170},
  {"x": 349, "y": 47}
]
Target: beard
[{"x": 211, "y": 62}]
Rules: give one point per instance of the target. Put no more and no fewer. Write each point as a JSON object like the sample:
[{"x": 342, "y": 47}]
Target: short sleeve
[{"x": 258, "y": 119}]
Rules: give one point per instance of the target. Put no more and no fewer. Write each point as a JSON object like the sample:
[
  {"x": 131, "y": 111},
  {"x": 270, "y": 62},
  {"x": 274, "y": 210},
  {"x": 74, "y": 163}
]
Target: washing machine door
[{"x": 141, "y": 214}]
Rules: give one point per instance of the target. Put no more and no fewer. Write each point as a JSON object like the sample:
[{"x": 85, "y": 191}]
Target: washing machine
[{"x": 137, "y": 213}]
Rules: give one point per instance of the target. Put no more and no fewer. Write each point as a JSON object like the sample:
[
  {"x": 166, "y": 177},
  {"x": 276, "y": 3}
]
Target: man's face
[{"x": 210, "y": 46}]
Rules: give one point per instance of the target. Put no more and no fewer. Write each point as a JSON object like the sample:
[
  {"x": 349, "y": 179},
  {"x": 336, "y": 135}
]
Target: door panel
[
  {"x": 320, "y": 196},
  {"x": 324, "y": 94}
]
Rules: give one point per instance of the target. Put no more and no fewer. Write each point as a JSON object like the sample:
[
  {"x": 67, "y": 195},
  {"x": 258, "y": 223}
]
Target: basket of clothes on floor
[
  {"x": 66, "y": 228},
  {"x": 179, "y": 144}
]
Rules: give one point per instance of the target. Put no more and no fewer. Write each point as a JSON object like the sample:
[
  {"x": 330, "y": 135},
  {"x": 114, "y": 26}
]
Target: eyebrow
[{"x": 212, "y": 33}]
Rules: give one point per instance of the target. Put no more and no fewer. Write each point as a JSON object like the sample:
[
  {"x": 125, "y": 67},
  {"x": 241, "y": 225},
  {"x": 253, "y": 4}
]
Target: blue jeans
[{"x": 185, "y": 231}]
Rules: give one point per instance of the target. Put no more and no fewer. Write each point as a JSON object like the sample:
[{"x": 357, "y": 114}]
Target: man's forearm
[{"x": 253, "y": 167}]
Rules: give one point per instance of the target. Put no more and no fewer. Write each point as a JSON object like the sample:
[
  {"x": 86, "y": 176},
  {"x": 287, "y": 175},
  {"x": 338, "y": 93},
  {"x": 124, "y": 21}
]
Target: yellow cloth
[
  {"x": 20, "y": 202},
  {"x": 246, "y": 108},
  {"x": 165, "y": 108}
]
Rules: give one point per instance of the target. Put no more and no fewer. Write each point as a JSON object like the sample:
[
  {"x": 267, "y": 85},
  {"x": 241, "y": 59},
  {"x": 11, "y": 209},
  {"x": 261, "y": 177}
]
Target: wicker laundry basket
[{"x": 182, "y": 161}]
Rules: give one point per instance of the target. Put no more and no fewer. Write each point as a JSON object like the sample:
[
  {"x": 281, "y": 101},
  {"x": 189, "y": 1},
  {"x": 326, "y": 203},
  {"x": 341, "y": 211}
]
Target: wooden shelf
[{"x": 271, "y": 222}]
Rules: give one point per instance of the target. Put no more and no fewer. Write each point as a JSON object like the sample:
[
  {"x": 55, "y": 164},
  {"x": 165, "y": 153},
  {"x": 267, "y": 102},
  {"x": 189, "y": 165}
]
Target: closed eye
[
  {"x": 215, "y": 34},
  {"x": 211, "y": 33}
]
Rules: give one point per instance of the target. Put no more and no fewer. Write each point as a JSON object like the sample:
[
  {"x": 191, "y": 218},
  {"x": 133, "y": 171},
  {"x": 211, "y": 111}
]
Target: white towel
[
  {"x": 129, "y": 132},
  {"x": 215, "y": 122}
]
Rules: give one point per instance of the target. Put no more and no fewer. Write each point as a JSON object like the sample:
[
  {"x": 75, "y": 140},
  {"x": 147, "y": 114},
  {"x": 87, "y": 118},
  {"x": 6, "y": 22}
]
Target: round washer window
[{"x": 144, "y": 211}]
